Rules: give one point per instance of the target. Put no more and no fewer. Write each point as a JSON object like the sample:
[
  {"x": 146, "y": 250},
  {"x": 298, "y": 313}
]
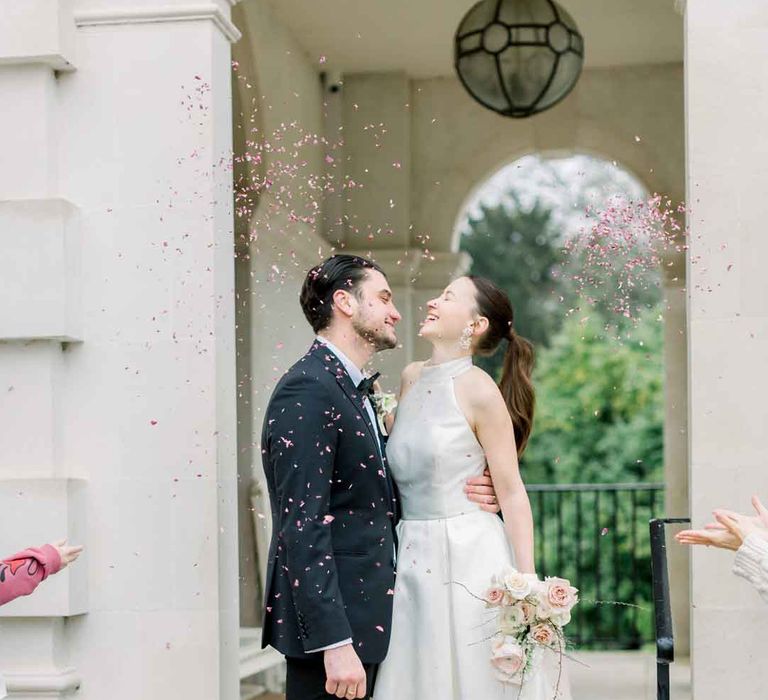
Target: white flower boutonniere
[{"x": 385, "y": 404}]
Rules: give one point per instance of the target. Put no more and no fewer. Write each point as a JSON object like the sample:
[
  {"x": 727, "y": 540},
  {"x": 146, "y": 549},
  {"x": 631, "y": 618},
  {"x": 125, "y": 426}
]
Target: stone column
[
  {"x": 676, "y": 441},
  {"x": 726, "y": 113},
  {"x": 117, "y": 344}
]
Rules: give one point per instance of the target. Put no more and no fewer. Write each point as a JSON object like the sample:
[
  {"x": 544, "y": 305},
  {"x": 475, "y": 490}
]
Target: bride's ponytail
[{"x": 516, "y": 386}]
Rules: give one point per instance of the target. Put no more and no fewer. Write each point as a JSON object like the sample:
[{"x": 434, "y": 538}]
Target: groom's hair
[{"x": 323, "y": 280}]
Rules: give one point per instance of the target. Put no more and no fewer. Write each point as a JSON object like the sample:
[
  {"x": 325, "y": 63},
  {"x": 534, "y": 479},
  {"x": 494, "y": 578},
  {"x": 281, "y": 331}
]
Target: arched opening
[{"x": 594, "y": 466}]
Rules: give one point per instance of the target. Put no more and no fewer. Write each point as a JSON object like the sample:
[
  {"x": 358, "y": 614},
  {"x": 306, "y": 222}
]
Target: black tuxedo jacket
[{"x": 330, "y": 573}]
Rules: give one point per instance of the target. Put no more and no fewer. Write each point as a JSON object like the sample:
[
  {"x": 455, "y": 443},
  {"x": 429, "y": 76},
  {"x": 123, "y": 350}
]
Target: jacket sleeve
[
  {"x": 302, "y": 438},
  {"x": 23, "y": 572},
  {"x": 751, "y": 563}
]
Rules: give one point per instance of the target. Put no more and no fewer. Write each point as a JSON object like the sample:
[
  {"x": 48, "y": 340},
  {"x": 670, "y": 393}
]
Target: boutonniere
[{"x": 384, "y": 404}]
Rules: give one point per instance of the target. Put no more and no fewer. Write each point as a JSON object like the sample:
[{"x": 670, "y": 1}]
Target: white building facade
[{"x": 143, "y": 323}]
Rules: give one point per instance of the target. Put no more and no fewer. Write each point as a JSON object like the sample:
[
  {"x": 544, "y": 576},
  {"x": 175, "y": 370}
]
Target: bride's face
[{"x": 451, "y": 313}]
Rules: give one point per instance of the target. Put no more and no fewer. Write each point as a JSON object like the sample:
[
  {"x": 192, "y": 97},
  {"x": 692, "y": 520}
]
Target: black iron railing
[
  {"x": 597, "y": 536},
  {"x": 665, "y": 638}
]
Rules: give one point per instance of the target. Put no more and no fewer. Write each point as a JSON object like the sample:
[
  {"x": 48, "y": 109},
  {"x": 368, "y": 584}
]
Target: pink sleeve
[{"x": 21, "y": 573}]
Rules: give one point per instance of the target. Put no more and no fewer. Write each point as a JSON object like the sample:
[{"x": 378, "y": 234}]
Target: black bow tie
[{"x": 365, "y": 387}]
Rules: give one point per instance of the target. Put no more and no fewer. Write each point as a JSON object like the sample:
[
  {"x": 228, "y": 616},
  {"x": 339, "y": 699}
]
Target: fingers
[
  {"x": 761, "y": 510},
  {"x": 495, "y": 509},
  {"x": 69, "y": 554},
  {"x": 486, "y": 502},
  {"x": 345, "y": 689},
  {"x": 693, "y": 537},
  {"x": 483, "y": 480},
  {"x": 60, "y": 543},
  {"x": 730, "y": 513},
  {"x": 482, "y": 489},
  {"x": 727, "y": 521}
]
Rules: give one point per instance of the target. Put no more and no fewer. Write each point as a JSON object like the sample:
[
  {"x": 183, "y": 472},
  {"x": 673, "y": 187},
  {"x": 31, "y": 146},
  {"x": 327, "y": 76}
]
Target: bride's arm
[{"x": 494, "y": 430}]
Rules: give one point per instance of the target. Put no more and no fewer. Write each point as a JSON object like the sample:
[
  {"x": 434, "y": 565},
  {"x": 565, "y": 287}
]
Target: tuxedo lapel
[
  {"x": 333, "y": 364},
  {"x": 326, "y": 356}
]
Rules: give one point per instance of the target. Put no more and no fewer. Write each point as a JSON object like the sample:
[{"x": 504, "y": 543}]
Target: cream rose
[
  {"x": 517, "y": 584},
  {"x": 508, "y": 658},
  {"x": 561, "y": 617},
  {"x": 511, "y": 619},
  {"x": 543, "y": 608}
]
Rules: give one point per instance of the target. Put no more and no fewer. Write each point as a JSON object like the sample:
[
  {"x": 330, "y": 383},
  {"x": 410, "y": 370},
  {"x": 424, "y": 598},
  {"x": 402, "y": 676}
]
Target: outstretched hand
[
  {"x": 479, "y": 489},
  {"x": 730, "y": 529},
  {"x": 740, "y": 526},
  {"x": 710, "y": 537},
  {"x": 67, "y": 553},
  {"x": 761, "y": 510}
]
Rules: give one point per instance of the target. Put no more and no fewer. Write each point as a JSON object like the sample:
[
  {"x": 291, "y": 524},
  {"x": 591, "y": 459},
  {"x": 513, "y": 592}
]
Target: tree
[
  {"x": 600, "y": 404},
  {"x": 519, "y": 249}
]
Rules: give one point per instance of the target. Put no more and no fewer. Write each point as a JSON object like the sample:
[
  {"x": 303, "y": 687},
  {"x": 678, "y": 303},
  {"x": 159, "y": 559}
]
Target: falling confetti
[{"x": 624, "y": 244}]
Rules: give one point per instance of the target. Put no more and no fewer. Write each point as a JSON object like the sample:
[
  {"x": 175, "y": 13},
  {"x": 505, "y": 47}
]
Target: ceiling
[{"x": 416, "y": 36}]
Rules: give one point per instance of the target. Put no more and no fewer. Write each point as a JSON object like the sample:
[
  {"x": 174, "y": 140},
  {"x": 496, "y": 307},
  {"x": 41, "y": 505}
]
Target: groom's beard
[{"x": 374, "y": 336}]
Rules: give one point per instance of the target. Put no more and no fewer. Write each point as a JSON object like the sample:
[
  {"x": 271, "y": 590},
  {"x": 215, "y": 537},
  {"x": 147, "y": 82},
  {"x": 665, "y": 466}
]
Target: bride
[{"x": 452, "y": 422}]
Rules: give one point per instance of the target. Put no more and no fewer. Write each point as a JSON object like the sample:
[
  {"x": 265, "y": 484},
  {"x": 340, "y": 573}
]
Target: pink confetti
[{"x": 627, "y": 242}]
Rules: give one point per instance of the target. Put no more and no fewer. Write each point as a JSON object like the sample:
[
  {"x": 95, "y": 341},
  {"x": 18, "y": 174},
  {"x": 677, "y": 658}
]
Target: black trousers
[{"x": 305, "y": 679}]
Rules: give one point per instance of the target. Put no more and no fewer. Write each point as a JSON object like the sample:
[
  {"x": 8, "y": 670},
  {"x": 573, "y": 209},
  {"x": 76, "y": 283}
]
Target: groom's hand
[
  {"x": 344, "y": 672},
  {"x": 479, "y": 489}
]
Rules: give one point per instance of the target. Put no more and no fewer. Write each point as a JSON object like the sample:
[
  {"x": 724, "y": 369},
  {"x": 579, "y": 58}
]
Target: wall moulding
[
  {"x": 163, "y": 14},
  {"x": 58, "y": 684},
  {"x": 40, "y": 270}
]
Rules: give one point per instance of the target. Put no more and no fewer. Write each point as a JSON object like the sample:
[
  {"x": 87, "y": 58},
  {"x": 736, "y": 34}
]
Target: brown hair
[
  {"x": 340, "y": 271},
  {"x": 515, "y": 385}
]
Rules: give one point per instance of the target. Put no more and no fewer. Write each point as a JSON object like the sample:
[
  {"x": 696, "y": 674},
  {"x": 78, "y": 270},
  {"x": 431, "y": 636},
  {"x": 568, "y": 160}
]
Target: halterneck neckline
[{"x": 449, "y": 368}]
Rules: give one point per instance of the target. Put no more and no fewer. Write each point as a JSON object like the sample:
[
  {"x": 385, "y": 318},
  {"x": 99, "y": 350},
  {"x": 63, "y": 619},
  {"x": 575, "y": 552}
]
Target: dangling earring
[{"x": 465, "y": 342}]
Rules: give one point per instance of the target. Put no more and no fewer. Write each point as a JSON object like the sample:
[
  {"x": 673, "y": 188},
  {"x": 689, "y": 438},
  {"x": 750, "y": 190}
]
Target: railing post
[{"x": 665, "y": 640}]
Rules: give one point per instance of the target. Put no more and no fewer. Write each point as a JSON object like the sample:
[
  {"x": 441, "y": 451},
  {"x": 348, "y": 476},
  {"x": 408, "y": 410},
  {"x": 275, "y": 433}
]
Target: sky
[{"x": 569, "y": 185}]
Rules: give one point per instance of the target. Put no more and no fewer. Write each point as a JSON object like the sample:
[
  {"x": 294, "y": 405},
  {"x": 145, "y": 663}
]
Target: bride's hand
[{"x": 479, "y": 489}]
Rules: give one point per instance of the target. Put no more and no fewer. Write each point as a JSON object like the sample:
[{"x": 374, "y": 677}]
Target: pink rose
[
  {"x": 494, "y": 596},
  {"x": 560, "y": 593},
  {"x": 543, "y": 634},
  {"x": 508, "y": 658}
]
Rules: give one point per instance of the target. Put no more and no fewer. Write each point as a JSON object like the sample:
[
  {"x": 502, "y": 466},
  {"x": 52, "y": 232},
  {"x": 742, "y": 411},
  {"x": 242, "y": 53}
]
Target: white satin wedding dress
[{"x": 449, "y": 548}]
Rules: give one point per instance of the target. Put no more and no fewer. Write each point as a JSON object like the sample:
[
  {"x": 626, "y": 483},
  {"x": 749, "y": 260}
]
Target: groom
[{"x": 330, "y": 574}]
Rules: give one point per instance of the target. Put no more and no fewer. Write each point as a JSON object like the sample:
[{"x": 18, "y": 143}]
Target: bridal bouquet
[{"x": 531, "y": 615}]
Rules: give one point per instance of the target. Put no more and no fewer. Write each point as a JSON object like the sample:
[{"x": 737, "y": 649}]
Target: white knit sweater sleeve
[{"x": 752, "y": 563}]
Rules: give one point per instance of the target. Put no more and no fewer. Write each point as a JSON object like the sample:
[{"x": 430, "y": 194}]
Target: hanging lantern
[{"x": 518, "y": 57}]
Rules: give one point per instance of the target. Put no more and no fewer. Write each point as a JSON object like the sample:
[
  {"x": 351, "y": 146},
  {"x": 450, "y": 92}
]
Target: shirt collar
[{"x": 354, "y": 372}]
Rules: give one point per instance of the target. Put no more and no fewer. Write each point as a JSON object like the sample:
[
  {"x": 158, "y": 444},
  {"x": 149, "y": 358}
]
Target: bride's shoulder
[{"x": 478, "y": 385}]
